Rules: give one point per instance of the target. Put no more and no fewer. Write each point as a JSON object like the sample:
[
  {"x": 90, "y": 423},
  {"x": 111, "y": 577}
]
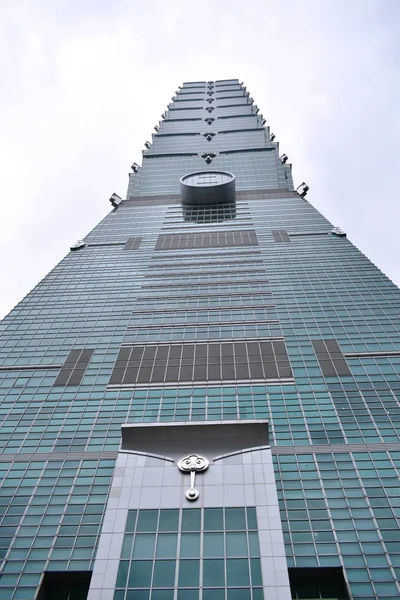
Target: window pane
[
  {"x": 238, "y": 571},
  {"x": 147, "y": 520},
  {"x": 140, "y": 575},
  {"x": 214, "y": 594},
  {"x": 213, "y": 544},
  {"x": 166, "y": 545},
  {"x": 144, "y": 545},
  {"x": 164, "y": 573},
  {"x": 253, "y": 544},
  {"x": 242, "y": 594},
  {"x": 122, "y": 573},
  {"x": 235, "y": 518},
  {"x": 213, "y": 573},
  {"x": 131, "y": 521},
  {"x": 190, "y": 544},
  {"x": 213, "y": 519},
  {"x": 188, "y": 594},
  {"x": 162, "y": 595},
  {"x": 138, "y": 595},
  {"x": 191, "y": 519},
  {"x": 251, "y": 518},
  {"x": 236, "y": 544},
  {"x": 127, "y": 546},
  {"x": 189, "y": 573},
  {"x": 255, "y": 566},
  {"x": 169, "y": 520}
]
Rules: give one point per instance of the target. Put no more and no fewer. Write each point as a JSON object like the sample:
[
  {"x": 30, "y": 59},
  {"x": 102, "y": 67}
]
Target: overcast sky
[{"x": 83, "y": 82}]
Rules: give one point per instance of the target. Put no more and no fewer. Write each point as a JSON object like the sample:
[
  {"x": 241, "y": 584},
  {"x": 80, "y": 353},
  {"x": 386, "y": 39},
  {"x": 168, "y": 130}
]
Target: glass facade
[
  {"x": 245, "y": 311},
  {"x": 214, "y": 550}
]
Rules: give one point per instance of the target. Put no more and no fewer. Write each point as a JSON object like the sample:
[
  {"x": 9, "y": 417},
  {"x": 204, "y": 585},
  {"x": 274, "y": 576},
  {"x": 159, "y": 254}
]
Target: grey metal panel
[{"x": 176, "y": 439}]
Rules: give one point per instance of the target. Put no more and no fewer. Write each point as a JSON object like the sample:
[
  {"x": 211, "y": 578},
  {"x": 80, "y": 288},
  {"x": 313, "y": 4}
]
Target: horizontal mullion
[{"x": 201, "y": 324}]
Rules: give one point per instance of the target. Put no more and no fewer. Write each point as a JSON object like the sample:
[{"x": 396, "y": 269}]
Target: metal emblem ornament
[{"x": 193, "y": 463}]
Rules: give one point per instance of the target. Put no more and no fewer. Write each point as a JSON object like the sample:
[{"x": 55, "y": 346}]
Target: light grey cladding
[{"x": 242, "y": 478}]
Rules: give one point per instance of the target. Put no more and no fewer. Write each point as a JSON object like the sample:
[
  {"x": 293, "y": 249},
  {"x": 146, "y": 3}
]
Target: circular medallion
[{"x": 207, "y": 187}]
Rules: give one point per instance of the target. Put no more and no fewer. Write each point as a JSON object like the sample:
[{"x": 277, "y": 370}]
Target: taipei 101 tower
[{"x": 201, "y": 400}]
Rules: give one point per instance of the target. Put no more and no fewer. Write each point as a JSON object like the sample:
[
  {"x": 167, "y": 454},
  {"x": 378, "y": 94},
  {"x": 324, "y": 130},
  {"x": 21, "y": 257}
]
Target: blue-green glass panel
[
  {"x": 140, "y": 573},
  {"x": 162, "y": 594},
  {"x": 213, "y": 519},
  {"x": 190, "y": 545},
  {"x": 147, "y": 520},
  {"x": 237, "y": 571},
  {"x": 191, "y": 519},
  {"x": 255, "y": 567},
  {"x": 131, "y": 520},
  {"x": 238, "y": 594},
  {"x": 169, "y": 520},
  {"x": 217, "y": 594},
  {"x": 188, "y": 594},
  {"x": 213, "y": 573},
  {"x": 236, "y": 544},
  {"x": 235, "y": 519},
  {"x": 144, "y": 545},
  {"x": 123, "y": 571},
  {"x": 138, "y": 595},
  {"x": 189, "y": 573},
  {"x": 254, "y": 547},
  {"x": 251, "y": 518},
  {"x": 213, "y": 544},
  {"x": 164, "y": 573},
  {"x": 166, "y": 545},
  {"x": 127, "y": 546}
]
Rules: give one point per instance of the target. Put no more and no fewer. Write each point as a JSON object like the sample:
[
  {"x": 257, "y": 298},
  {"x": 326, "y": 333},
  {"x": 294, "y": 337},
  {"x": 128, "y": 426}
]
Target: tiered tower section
[{"x": 207, "y": 126}]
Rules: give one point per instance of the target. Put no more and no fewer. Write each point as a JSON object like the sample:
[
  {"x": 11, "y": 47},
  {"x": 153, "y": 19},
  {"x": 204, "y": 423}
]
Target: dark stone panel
[
  {"x": 332, "y": 346},
  {"x": 341, "y": 366},
  {"x": 124, "y": 354},
  {"x": 132, "y": 243},
  {"x": 216, "y": 361},
  {"x": 219, "y": 239},
  {"x": 327, "y": 368},
  {"x": 84, "y": 358},
  {"x": 74, "y": 367},
  {"x": 117, "y": 376},
  {"x": 330, "y": 358},
  {"x": 72, "y": 357},
  {"x": 76, "y": 377},
  {"x": 280, "y": 235},
  {"x": 63, "y": 377}
]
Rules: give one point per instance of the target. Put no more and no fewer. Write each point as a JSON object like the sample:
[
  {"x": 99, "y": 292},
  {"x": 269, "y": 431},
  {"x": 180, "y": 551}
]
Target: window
[{"x": 217, "y": 550}]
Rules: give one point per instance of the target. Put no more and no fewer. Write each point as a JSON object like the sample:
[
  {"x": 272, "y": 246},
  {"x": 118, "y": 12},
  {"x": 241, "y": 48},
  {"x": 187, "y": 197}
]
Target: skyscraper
[{"x": 201, "y": 399}]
